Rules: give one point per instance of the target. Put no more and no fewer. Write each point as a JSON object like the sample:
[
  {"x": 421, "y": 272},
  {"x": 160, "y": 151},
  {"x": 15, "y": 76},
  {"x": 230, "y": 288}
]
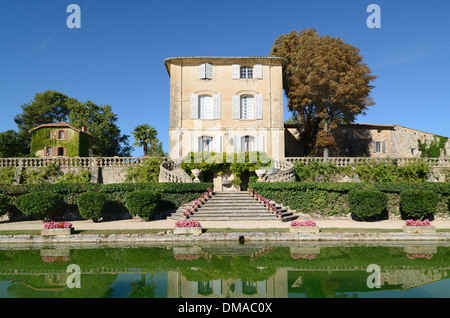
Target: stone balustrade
[
  {"x": 75, "y": 162},
  {"x": 170, "y": 171},
  {"x": 346, "y": 161}
]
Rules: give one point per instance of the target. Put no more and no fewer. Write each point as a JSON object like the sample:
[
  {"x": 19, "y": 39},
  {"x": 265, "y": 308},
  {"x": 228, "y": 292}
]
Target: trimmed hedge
[
  {"x": 366, "y": 204},
  {"x": 417, "y": 204},
  {"x": 173, "y": 195},
  {"x": 4, "y": 204},
  {"x": 331, "y": 198},
  {"x": 92, "y": 205},
  {"x": 143, "y": 203},
  {"x": 41, "y": 204}
]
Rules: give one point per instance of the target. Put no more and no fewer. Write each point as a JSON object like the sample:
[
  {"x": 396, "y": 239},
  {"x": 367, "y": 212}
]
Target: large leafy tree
[
  {"x": 146, "y": 136},
  {"x": 100, "y": 121},
  {"x": 45, "y": 108},
  {"x": 14, "y": 144},
  {"x": 326, "y": 83}
]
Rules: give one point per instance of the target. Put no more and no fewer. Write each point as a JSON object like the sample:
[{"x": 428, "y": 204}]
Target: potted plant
[
  {"x": 279, "y": 214},
  {"x": 188, "y": 227},
  {"x": 418, "y": 227},
  {"x": 57, "y": 228},
  {"x": 304, "y": 227}
]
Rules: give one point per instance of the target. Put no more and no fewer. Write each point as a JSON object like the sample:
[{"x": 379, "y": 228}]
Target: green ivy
[
  {"x": 76, "y": 145},
  {"x": 434, "y": 149}
]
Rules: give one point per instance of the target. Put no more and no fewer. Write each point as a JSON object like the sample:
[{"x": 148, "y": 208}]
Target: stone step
[{"x": 229, "y": 206}]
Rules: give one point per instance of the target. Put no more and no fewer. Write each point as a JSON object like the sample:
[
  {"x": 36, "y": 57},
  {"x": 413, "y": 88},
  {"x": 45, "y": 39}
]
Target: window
[
  {"x": 246, "y": 72},
  {"x": 205, "y": 71},
  {"x": 243, "y": 72},
  {"x": 205, "y": 143},
  {"x": 247, "y": 107},
  {"x": 247, "y": 143},
  {"x": 205, "y": 107},
  {"x": 60, "y": 151},
  {"x": 48, "y": 151},
  {"x": 379, "y": 147},
  {"x": 61, "y": 134}
]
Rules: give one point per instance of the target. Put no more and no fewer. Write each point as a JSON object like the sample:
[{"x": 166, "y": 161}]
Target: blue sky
[{"x": 117, "y": 55}]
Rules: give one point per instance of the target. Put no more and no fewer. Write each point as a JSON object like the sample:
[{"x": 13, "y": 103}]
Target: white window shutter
[
  {"x": 383, "y": 146},
  {"x": 260, "y": 143},
  {"x": 194, "y": 106},
  {"x": 237, "y": 144},
  {"x": 194, "y": 143},
  {"x": 208, "y": 71},
  {"x": 236, "y": 99},
  {"x": 216, "y": 107},
  {"x": 236, "y": 71},
  {"x": 258, "y": 106},
  {"x": 202, "y": 71},
  {"x": 257, "y": 71},
  {"x": 217, "y": 144}
]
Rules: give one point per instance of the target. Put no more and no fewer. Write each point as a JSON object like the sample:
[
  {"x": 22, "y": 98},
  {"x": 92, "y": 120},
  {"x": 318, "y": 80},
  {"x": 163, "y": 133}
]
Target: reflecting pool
[{"x": 231, "y": 270}]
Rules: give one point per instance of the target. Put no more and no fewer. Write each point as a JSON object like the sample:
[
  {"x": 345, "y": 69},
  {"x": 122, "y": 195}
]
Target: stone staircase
[{"x": 233, "y": 206}]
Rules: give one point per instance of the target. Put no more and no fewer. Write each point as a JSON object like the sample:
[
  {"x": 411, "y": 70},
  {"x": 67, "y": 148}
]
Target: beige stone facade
[
  {"x": 368, "y": 140},
  {"x": 226, "y": 104}
]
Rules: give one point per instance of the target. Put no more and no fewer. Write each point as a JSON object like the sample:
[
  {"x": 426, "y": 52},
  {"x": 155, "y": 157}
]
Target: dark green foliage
[
  {"x": 418, "y": 203},
  {"x": 4, "y": 204},
  {"x": 434, "y": 149},
  {"x": 365, "y": 204},
  {"x": 330, "y": 198},
  {"x": 92, "y": 205},
  {"x": 147, "y": 172},
  {"x": 41, "y": 204},
  {"x": 143, "y": 203}
]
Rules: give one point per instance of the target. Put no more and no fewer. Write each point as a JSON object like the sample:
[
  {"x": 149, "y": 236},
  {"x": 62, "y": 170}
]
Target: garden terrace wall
[{"x": 330, "y": 198}]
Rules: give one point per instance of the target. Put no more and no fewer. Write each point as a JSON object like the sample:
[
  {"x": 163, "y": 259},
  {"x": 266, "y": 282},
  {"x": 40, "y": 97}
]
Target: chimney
[{"x": 83, "y": 128}]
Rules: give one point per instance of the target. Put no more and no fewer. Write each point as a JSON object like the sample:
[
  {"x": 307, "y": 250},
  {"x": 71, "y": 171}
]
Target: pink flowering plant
[
  {"x": 188, "y": 223},
  {"x": 418, "y": 223},
  {"x": 303, "y": 223},
  {"x": 57, "y": 225}
]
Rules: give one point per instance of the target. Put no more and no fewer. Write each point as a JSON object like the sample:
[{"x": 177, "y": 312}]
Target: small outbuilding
[{"x": 60, "y": 140}]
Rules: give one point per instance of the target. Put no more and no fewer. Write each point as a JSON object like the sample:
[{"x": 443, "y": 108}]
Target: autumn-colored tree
[{"x": 326, "y": 83}]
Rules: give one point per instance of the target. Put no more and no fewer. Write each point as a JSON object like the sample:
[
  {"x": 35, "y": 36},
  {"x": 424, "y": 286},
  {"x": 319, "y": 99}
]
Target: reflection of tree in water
[
  {"x": 35, "y": 286},
  {"x": 143, "y": 288},
  {"x": 329, "y": 287}
]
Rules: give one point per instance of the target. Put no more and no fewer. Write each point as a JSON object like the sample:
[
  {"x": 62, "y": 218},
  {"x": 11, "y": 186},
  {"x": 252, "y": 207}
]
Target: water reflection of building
[{"x": 180, "y": 287}]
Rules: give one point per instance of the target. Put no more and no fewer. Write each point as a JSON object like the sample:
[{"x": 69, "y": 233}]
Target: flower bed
[
  {"x": 188, "y": 227},
  {"x": 303, "y": 223},
  {"x": 418, "y": 227},
  {"x": 57, "y": 228},
  {"x": 418, "y": 223},
  {"x": 57, "y": 225},
  {"x": 308, "y": 226}
]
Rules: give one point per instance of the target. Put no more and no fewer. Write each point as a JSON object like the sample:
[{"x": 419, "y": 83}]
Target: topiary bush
[
  {"x": 92, "y": 204},
  {"x": 4, "y": 204},
  {"x": 143, "y": 203},
  {"x": 417, "y": 204},
  {"x": 366, "y": 204},
  {"x": 41, "y": 204}
]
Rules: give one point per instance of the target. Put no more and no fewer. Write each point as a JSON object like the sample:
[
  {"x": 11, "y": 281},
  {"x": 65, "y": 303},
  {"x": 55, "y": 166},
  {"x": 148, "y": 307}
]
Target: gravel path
[{"x": 136, "y": 223}]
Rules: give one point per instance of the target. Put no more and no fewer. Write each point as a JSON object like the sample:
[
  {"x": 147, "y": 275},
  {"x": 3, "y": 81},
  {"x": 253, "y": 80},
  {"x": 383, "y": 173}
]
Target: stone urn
[
  {"x": 260, "y": 173},
  {"x": 196, "y": 173}
]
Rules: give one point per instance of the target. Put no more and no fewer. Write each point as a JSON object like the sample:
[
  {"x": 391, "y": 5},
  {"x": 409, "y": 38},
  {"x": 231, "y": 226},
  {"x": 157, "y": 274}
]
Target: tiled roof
[{"x": 60, "y": 124}]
